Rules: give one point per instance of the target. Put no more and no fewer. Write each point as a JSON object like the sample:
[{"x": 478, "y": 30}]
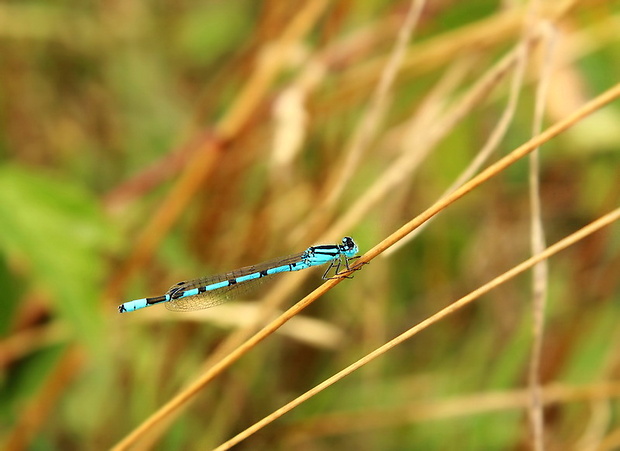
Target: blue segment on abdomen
[
  {"x": 134, "y": 305},
  {"x": 196, "y": 291},
  {"x": 141, "y": 303}
]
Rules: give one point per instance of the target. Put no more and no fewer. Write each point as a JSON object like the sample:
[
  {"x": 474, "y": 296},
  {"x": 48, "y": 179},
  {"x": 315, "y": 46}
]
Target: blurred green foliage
[{"x": 56, "y": 232}]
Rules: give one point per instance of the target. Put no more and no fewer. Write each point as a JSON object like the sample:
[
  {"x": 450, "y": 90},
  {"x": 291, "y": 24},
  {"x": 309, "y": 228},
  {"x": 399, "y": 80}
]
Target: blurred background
[{"x": 144, "y": 143}]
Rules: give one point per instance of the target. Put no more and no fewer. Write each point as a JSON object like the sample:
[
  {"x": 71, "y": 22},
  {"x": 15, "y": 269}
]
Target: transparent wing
[
  {"x": 219, "y": 296},
  {"x": 212, "y": 298}
]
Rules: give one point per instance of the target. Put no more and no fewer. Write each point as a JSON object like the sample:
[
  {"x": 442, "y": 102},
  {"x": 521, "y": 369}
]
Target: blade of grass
[{"x": 540, "y": 270}]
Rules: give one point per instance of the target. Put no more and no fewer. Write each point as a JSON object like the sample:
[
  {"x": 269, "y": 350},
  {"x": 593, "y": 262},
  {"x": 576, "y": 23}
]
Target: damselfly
[{"x": 213, "y": 290}]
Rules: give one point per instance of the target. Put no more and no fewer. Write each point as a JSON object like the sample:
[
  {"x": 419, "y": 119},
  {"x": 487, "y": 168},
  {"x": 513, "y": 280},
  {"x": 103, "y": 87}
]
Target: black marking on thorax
[{"x": 326, "y": 249}]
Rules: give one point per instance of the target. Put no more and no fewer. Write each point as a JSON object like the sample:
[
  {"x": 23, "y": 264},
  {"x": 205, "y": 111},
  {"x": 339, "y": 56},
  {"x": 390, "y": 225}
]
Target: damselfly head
[{"x": 349, "y": 247}]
